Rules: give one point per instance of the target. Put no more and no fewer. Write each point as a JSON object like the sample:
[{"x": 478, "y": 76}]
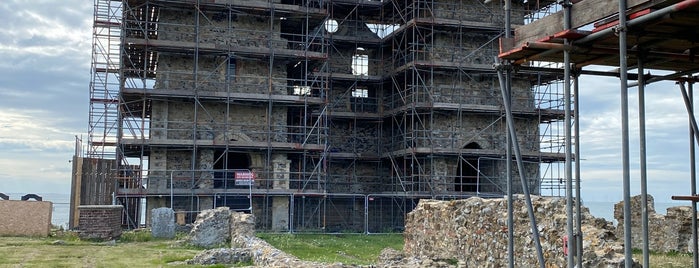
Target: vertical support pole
[
  {"x": 642, "y": 151},
  {"x": 695, "y": 135},
  {"x": 623, "y": 76},
  {"x": 520, "y": 163},
  {"x": 568, "y": 139},
  {"x": 508, "y": 154},
  {"x": 576, "y": 124},
  {"x": 693, "y": 180}
]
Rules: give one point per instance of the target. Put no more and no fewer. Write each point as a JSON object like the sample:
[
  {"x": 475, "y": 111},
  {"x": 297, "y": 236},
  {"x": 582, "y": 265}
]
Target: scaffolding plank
[
  {"x": 183, "y": 46},
  {"x": 582, "y": 13},
  {"x": 183, "y": 93},
  {"x": 237, "y": 144}
]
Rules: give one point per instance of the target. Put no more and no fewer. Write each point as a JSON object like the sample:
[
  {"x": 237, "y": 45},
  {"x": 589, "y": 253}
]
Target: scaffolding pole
[
  {"x": 578, "y": 195},
  {"x": 508, "y": 153},
  {"x": 693, "y": 181},
  {"x": 568, "y": 141},
  {"x": 642, "y": 151},
  {"x": 520, "y": 166},
  {"x": 623, "y": 69}
]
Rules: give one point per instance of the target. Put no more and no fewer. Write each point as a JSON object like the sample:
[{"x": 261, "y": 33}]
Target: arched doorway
[
  {"x": 466, "y": 179},
  {"x": 224, "y": 163}
]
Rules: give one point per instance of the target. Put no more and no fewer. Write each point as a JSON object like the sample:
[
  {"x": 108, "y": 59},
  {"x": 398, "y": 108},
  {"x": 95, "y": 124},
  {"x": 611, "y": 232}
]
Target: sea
[{"x": 61, "y": 207}]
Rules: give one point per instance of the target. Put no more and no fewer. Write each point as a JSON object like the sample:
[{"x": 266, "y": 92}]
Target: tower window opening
[
  {"x": 360, "y": 93},
  {"x": 360, "y": 63},
  {"x": 230, "y": 71}
]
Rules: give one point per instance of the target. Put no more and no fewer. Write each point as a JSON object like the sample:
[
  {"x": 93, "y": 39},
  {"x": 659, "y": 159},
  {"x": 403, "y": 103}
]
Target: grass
[
  {"x": 43, "y": 252},
  {"x": 139, "y": 249},
  {"x": 345, "y": 248},
  {"x": 665, "y": 260}
]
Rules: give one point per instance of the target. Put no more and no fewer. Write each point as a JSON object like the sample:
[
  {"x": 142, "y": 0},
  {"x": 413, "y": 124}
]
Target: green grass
[
  {"x": 665, "y": 260},
  {"x": 42, "y": 252},
  {"x": 138, "y": 249},
  {"x": 345, "y": 248}
]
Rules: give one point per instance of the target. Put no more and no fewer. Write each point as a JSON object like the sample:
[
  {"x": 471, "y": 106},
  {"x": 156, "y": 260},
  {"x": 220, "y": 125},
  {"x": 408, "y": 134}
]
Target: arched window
[{"x": 466, "y": 179}]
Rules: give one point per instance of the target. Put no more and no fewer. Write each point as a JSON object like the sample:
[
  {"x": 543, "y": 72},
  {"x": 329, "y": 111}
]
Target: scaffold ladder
[{"x": 104, "y": 79}]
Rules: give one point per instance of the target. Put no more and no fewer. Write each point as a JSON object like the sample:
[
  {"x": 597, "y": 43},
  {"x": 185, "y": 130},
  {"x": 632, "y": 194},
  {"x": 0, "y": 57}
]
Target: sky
[{"x": 45, "y": 74}]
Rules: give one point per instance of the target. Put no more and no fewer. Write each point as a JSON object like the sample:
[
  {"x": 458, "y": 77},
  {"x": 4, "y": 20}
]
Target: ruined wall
[
  {"x": 25, "y": 218},
  {"x": 100, "y": 221},
  {"x": 474, "y": 231},
  {"x": 666, "y": 233}
]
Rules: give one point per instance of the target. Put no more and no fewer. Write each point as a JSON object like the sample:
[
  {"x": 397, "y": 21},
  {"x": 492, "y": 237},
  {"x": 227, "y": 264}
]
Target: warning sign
[{"x": 244, "y": 178}]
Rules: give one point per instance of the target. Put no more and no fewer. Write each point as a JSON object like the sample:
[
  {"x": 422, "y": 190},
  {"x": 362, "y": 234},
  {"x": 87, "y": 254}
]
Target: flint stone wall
[
  {"x": 666, "y": 233},
  {"x": 100, "y": 222},
  {"x": 474, "y": 232},
  {"x": 212, "y": 228}
]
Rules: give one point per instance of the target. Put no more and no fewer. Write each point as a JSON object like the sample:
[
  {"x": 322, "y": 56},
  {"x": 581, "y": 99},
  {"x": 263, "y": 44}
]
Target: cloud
[
  {"x": 45, "y": 47},
  {"x": 667, "y": 141}
]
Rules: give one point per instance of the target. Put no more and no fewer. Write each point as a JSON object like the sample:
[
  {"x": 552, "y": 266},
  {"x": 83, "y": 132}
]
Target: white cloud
[
  {"x": 666, "y": 137},
  {"x": 45, "y": 47}
]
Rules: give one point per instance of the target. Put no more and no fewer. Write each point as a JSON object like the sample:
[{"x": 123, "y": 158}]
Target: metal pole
[
  {"x": 690, "y": 112},
  {"x": 628, "y": 256},
  {"x": 508, "y": 154},
  {"x": 695, "y": 133},
  {"x": 172, "y": 206},
  {"x": 693, "y": 181},
  {"x": 520, "y": 165},
  {"x": 570, "y": 243},
  {"x": 576, "y": 123},
  {"x": 642, "y": 150}
]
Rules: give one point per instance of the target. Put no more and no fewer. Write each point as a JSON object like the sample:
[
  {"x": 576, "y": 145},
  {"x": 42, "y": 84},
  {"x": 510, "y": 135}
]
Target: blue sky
[{"x": 44, "y": 78}]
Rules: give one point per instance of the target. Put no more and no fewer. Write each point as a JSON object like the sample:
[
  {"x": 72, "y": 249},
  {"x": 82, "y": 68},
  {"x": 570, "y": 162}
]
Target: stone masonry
[
  {"x": 666, "y": 233},
  {"x": 474, "y": 232}
]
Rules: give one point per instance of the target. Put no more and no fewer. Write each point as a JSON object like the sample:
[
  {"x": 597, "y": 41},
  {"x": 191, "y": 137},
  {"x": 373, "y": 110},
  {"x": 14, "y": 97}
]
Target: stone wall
[
  {"x": 466, "y": 48},
  {"x": 16, "y": 221},
  {"x": 666, "y": 233},
  {"x": 347, "y": 137},
  {"x": 474, "y": 232},
  {"x": 100, "y": 222},
  {"x": 240, "y": 123}
]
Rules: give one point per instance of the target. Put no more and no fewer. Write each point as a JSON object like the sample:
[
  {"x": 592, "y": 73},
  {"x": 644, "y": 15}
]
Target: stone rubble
[
  {"x": 474, "y": 232},
  {"x": 462, "y": 233},
  {"x": 221, "y": 256},
  {"x": 211, "y": 229},
  {"x": 666, "y": 233}
]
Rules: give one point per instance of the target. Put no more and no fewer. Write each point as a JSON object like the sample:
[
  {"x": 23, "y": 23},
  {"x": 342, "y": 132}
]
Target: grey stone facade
[{"x": 324, "y": 120}]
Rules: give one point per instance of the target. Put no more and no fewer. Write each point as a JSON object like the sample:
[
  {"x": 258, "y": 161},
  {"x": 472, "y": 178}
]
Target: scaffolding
[
  {"x": 634, "y": 34},
  {"x": 347, "y": 112}
]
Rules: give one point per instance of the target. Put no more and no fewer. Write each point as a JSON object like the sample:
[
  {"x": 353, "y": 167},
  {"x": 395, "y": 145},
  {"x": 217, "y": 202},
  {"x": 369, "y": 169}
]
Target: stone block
[
  {"x": 163, "y": 225},
  {"x": 212, "y": 228}
]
